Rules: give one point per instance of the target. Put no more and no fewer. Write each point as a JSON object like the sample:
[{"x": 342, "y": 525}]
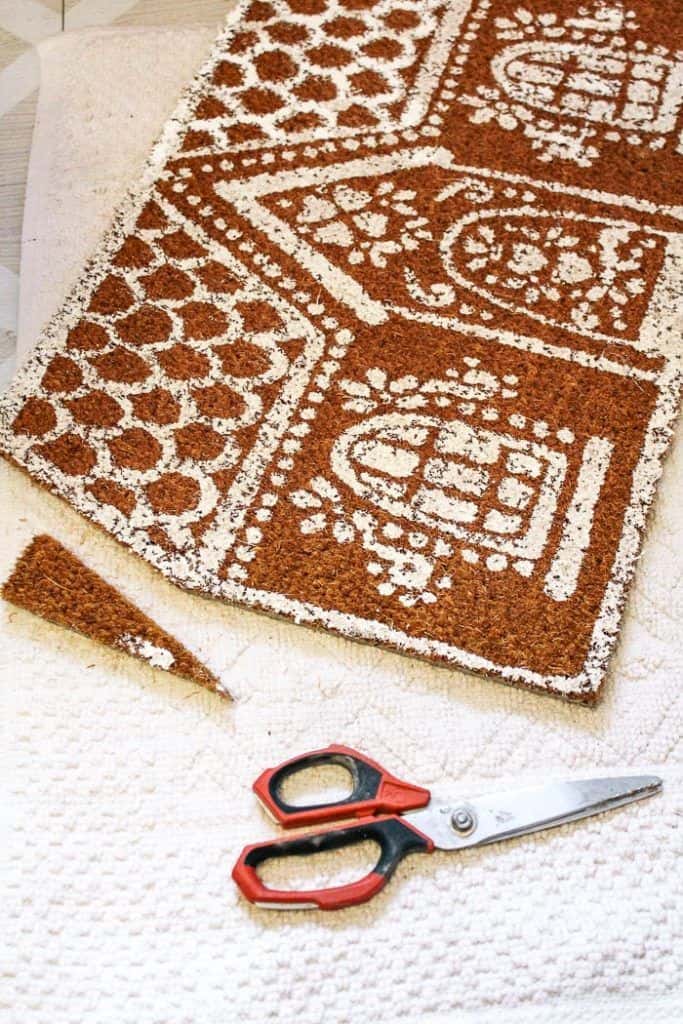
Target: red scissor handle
[
  {"x": 375, "y": 791},
  {"x": 396, "y": 839}
]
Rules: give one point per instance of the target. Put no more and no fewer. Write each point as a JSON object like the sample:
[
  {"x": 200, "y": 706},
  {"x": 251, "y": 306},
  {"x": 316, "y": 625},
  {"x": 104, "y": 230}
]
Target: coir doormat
[
  {"x": 49, "y": 581},
  {"x": 388, "y": 339}
]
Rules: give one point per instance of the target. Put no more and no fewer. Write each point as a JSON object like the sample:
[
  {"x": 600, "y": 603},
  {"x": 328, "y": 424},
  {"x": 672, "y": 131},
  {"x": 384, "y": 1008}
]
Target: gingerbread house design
[
  {"x": 571, "y": 86},
  {"x": 417, "y": 488},
  {"x": 626, "y": 89}
]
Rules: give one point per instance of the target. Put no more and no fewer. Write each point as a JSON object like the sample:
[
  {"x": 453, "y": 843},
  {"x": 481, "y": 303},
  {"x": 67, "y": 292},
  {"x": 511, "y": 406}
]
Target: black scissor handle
[
  {"x": 375, "y": 791},
  {"x": 396, "y": 839}
]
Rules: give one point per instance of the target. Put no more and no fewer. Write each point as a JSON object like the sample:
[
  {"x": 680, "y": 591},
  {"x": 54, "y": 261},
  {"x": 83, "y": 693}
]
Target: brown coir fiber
[
  {"x": 49, "y": 581},
  {"x": 390, "y": 342}
]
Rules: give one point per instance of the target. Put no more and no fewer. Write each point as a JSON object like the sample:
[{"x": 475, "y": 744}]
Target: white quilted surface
[{"x": 127, "y": 792}]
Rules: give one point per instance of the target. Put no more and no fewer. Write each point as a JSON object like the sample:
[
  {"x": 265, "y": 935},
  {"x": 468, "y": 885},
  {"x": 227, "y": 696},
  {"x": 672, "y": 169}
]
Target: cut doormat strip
[
  {"x": 388, "y": 338},
  {"x": 51, "y": 582}
]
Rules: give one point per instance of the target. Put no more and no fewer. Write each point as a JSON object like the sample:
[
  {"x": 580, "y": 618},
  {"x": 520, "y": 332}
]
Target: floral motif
[
  {"x": 474, "y": 384},
  {"x": 393, "y": 559},
  {"x": 371, "y": 225},
  {"x": 587, "y": 272}
]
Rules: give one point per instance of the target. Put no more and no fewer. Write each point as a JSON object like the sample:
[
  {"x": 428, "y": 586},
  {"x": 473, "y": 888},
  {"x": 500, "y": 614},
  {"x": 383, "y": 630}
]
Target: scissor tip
[
  {"x": 641, "y": 786},
  {"x": 613, "y": 791},
  {"x": 650, "y": 783}
]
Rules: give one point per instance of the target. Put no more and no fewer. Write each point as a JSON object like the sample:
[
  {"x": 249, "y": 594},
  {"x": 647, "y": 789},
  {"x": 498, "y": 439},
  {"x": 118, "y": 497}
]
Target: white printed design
[
  {"x": 443, "y": 485},
  {"x": 222, "y": 388},
  {"x": 567, "y": 270},
  {"x": 309, "y": 73},
  {"x": 358, "y": 223},
  {"x": 585, "y": 272},
  {"x": 570, "y": 85},
  {"x": 158, "y": 657}
]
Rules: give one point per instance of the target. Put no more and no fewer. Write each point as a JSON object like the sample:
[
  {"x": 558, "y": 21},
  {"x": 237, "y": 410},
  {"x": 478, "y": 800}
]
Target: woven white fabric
[{"x": 128, "y": 791}]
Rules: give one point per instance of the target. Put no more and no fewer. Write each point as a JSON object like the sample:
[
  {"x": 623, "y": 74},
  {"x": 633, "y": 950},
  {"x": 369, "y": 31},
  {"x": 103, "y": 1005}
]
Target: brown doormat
[
  {"x": 51, "y": 582},
  {"x": 387, "y": 340}
]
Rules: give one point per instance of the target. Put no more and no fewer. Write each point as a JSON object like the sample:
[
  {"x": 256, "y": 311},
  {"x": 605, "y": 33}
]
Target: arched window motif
[
  {"x": 468, "y": 482},
  {"x": 632, "y": 89}
]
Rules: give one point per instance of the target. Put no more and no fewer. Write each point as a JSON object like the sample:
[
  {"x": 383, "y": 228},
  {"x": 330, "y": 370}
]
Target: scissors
[{"x": 381, "y": 801}]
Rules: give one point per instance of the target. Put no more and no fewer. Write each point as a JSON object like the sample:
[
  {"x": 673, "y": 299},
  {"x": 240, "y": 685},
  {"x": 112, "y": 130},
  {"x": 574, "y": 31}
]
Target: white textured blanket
[{"x": 128, "y": 792}]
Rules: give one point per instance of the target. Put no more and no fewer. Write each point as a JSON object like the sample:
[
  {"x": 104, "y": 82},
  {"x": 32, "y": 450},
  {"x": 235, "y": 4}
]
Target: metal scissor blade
[{"x": 491, "y": 818}]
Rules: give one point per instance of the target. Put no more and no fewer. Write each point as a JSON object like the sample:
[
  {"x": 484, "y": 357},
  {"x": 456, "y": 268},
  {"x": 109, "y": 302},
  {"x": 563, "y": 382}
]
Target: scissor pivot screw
[{"x": 463, "y": 821}]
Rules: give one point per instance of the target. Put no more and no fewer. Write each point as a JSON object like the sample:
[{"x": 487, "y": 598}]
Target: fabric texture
[
  {"x": 398, "y": 383},
  {"x": 128, "y": 793}
]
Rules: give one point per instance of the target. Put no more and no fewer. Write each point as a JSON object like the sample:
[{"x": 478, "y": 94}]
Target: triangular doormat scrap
[
  {"x": 388, "y": 338},
  {"x": 49, "y": 581}
]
